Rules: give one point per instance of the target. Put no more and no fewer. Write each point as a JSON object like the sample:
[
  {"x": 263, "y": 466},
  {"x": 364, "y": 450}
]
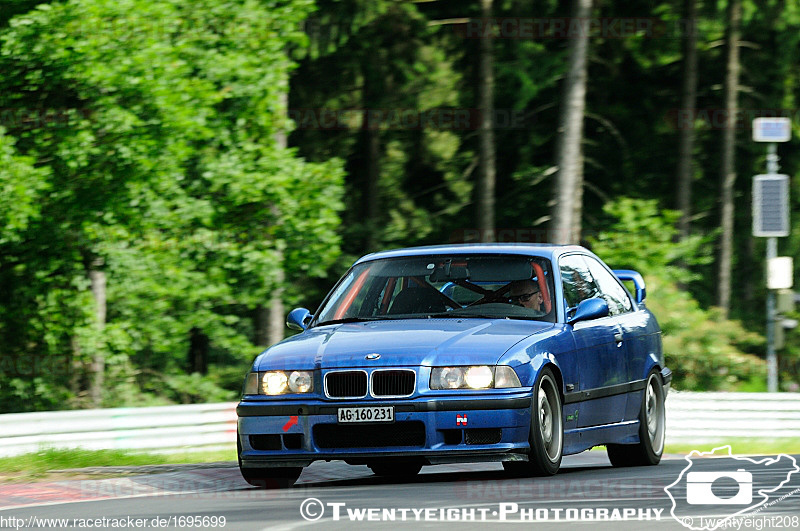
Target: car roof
[{"x": 544, "y": 250}]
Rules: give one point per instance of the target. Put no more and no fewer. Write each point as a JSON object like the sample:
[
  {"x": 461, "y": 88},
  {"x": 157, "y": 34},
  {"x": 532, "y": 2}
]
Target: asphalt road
[{"x": 587, "y": 492}]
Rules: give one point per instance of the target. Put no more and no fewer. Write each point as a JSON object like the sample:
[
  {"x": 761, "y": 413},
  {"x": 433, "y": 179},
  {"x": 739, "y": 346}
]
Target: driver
[{"x": 526, "y": 293}]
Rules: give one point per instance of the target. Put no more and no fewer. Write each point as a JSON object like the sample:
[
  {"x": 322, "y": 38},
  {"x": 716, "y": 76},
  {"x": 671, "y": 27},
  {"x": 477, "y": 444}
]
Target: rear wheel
[
  {"x": 652, "y": 427},
  {"x": 397, "y": 469},
  {"x": 547, "y": 431}
]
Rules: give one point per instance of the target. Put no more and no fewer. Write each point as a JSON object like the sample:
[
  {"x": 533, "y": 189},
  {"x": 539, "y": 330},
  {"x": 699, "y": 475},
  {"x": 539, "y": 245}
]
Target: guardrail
[
  {"x": 150, "y": 429},
  {"x": 713, "y": 417},
  {"x": 691, "y": 418}
]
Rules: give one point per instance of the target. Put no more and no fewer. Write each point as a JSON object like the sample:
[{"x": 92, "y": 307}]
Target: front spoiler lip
[
  {"x": 259, "y": 409},
  {"x": 430, "y": 458}
]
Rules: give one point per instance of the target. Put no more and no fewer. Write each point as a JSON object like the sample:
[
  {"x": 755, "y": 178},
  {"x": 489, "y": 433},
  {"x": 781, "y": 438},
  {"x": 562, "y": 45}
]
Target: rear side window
[
  {"x": 612, "y": 292},
  {"x": 585, "y": 278}
]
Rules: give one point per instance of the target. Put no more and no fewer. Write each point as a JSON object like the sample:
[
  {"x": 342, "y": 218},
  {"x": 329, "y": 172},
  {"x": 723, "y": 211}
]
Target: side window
[
  {"x": 578, "y": 282},
  {"x": 612, "y": 292}
]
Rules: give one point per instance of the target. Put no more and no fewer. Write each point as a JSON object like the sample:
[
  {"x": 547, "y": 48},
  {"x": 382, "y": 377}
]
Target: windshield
[{"x": 474, "y": 286}]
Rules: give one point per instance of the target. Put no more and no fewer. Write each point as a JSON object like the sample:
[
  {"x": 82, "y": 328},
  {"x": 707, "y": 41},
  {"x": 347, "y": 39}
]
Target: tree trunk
[
  {"x": 566, "y": 222},
  {"x": 270, "y": 319},
  {"x": 685, "y": 171},
  {"x": 277, "y": 314},
  {"x": 75, "y": 367},
  {"x": 372, "y": 153},
  {"x": 97, "y": 281},
  {"x": 271, "y": 322},
  {"x": 577, "y": 203},
  {"x": 728, "y": 168},
  {"x": 486, "y": 170},
  {"x": 198, "y": 351},
  {"x": 261, "y": 321}
]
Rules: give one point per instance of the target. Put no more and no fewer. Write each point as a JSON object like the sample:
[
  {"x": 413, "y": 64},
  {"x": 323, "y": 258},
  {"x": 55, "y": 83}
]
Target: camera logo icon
[{"x": 699, "y": 488}]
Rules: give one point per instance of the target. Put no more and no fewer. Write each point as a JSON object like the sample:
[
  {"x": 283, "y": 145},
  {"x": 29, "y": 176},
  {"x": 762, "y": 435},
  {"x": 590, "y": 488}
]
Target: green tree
[
  {"x": 704, "y": 350},
  {"x": 166, "y": 182}
]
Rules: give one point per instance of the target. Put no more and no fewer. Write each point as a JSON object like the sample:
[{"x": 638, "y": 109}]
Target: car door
[
  {"x": 638, "y": 330},
  {"x": 602, "y": 366}
]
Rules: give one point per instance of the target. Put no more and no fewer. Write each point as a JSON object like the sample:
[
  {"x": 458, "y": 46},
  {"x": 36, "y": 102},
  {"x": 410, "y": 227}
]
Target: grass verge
[
  {"x": 40, "y": 465},
  {"x": 740, "y": 446}
]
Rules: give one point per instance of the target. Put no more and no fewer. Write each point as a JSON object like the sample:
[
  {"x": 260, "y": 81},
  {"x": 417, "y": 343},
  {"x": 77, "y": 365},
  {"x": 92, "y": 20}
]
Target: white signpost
[{"x": 771, "y": 221}]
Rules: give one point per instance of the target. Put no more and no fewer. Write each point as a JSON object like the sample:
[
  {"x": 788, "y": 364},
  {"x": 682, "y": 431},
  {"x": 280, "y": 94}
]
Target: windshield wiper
[
  {"x": 455, "y": 315},
  {"x": 349, "y": 320}
]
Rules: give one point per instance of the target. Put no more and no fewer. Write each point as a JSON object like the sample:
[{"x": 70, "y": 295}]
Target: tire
[
  {"x": 396, "y": 469},
  {"x": 267, "y": 478},
  {"x": 652, "y": 428},
  {"x": 547, "y": 431},
  {"x": 271, "y": 478}
]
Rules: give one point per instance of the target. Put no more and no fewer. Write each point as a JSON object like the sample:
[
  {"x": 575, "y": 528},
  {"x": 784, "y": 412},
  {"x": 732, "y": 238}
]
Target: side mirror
[
  {"x": 298, "y": 319},
  {"x": 638, "y": 282},
  {"x": 589, "y": 309}
]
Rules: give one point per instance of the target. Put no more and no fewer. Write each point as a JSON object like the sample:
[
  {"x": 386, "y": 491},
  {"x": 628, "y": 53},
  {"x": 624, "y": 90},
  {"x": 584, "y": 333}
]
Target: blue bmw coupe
[{"x": 460, "y": 353}]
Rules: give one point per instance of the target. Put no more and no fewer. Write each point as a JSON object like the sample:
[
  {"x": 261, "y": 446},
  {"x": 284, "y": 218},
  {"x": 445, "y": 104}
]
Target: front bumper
[{"x": 435, "y": 430}]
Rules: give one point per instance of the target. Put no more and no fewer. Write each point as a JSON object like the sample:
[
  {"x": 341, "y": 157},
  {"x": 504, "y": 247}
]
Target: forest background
[{"x": 175, "y": 176}]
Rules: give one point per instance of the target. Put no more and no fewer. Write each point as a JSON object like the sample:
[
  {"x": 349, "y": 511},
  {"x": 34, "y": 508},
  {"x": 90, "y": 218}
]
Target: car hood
[{"x": 408, "y": 342}]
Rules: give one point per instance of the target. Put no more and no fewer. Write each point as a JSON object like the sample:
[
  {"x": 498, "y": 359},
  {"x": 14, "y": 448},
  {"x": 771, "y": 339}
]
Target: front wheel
[
  {"x": 267, "y": 478},
  {"x": 547, "y": 431},
  {"x": 271, "y": 478},
  {"x": 652, "y": 427}
]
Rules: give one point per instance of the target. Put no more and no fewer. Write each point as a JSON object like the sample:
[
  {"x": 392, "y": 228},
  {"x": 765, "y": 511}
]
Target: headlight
[
  {"x": 274, "y": 383},
  {"x": 300, "y": 382},
  {"x": 479, "y": 377},
  {"x": 449, "y": 378},
  {"x": 278, "y": 383},
  {"x": 474, "y": 377}
]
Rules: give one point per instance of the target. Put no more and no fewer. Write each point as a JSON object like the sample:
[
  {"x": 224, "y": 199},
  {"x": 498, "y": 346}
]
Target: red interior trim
[
  {"x": 351, "y": 295},
  {"x": 387, "y": 295},
  {"x": 548, "y": 305}
]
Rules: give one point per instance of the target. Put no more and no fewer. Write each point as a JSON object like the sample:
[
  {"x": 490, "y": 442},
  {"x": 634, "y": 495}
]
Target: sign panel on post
[
  {"x": 772, "y": 129},
  {"x": 771, "y": 206},
  {"x": 779, "y": 272}
]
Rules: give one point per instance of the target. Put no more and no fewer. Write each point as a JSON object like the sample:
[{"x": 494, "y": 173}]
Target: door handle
[{"x": 618, "y": 338}]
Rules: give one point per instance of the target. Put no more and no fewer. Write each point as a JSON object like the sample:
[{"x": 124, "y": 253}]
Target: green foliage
[
  {"x": 139, "y": 138},
  {"x": 644, "y": 236},
  {"x": 704, "y": 351},
  {"x": 193, "y": 388},
  {"x": 21, "y": 187},
  {"x": 161, "y": 169}
]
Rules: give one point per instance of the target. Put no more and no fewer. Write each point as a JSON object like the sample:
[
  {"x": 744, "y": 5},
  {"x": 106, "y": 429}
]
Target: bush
[{"x": 704, "y": 351}]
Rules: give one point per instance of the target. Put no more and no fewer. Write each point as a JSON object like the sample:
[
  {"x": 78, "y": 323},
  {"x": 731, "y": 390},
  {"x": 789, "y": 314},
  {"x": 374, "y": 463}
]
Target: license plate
[{"x": 366, "y": 414}]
